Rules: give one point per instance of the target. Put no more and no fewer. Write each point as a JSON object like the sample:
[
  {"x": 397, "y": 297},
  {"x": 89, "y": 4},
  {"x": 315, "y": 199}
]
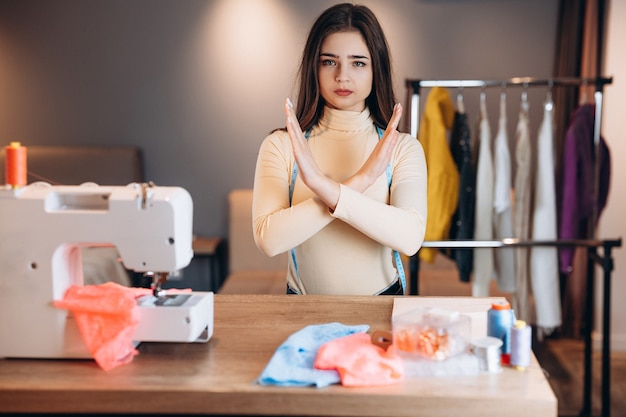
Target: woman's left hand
[{"x": 377, "y": 162}]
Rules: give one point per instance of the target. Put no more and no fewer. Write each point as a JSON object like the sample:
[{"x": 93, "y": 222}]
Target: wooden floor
[
  {"x": 562, "y": 359},
  {"x": 563, "y": 362}
]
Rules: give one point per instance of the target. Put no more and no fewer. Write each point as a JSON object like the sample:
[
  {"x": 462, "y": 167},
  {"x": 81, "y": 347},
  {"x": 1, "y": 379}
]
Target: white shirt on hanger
[
  {"x": 483, "y": 223},
  {"x": 544, "y": 267},
  {"x": 503, "y": 222}
]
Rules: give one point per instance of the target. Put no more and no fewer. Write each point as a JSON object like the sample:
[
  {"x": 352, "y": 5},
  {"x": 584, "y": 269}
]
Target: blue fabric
[{"x": 293, "y": 362}]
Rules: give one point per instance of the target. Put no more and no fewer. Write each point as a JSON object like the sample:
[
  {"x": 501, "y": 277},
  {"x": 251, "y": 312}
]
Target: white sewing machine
[{"x": 42, "y": 228}]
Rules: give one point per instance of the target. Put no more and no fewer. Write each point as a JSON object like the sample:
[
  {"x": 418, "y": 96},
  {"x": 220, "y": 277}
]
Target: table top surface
[{"x": 219, "y": 376}]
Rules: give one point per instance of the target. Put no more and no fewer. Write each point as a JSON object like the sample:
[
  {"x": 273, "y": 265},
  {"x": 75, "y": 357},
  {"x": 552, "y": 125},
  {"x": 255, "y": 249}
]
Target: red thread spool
[{"x": 15, "y": 168}]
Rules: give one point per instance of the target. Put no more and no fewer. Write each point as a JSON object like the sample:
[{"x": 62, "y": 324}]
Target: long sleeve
[
  {"x": 348, "y": 251},
  {"x": 543, "y": 260},
  {"x": 278, "y": 227},
  {"x": 462, "y": 224},
  {"x": 443, "y": 177},
  {"x": 521, "y": 218},
  {"x": 405, "y": 217},
  {"x": 483, "y": 225},
  {"x": 577, "y": 194},
  {"x": 503, "y": 223}
]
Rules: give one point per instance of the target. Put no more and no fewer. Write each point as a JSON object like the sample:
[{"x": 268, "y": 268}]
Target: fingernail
[{"x": 289, "y": 103}]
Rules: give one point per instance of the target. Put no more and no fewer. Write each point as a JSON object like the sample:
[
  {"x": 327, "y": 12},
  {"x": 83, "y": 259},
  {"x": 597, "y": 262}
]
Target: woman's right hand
[{"x": 324, "y": 187}]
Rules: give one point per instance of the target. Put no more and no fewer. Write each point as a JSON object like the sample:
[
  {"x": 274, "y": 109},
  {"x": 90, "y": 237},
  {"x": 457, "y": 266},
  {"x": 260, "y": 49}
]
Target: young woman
[{"x": 340, "y": 188}]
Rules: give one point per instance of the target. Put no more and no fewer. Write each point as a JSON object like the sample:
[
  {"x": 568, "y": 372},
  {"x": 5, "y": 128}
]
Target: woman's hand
[
  {"x": 378, "y": 160},
  {"x": 325, "y": 188}
]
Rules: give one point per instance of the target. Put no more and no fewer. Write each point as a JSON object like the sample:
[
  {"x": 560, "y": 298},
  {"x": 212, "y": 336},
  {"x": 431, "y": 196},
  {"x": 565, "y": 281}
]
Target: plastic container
[{"x": 431, "y": 333}]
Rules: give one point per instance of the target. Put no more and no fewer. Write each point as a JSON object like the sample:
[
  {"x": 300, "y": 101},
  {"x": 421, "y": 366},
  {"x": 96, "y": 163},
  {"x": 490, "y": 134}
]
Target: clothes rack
[{"x": 605, "y": 260}]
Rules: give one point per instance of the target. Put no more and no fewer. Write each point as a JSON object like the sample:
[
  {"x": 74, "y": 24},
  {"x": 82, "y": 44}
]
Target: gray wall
[{"x": 199, "y": 83}]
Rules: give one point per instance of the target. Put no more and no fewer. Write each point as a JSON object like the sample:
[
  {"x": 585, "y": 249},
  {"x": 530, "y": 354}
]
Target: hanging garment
[
  {"x": 504, "y": 259},
  {"x": 483, "y": 223},
  {"x": 443, "y": 178},
  {"x": 578, "y": 199},
  {"x": 462, "y": 224},
  {"x": 521, "y": 217},
  {"x": 544, "y": 267}
]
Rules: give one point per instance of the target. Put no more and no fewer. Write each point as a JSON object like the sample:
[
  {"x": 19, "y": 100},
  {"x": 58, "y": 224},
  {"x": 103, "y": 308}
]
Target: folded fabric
[
  {"x": 292, "y": 363},
  {"x": 359, "y": 362},
  {"x": 106, "y": 316}
]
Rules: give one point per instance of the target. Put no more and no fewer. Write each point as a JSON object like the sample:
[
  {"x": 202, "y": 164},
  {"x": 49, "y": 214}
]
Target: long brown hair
[{"x": 346, "y": 17}]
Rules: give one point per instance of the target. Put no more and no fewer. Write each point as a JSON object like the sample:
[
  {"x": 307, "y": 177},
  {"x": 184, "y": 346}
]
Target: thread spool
[
  {"x": 500, "y": 319},
  {"x": 488, "y": 350},
  {"x": 15, "y": 166},
  {"x": 521, "y": 341}
]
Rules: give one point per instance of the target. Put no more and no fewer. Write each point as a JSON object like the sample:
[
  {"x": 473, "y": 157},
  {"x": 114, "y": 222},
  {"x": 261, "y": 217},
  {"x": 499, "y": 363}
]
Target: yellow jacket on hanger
[{"x": 443, "y": 177}]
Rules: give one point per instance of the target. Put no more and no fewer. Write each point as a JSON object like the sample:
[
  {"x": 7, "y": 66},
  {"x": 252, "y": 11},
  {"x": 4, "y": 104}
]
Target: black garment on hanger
[{"x": 462, "y": 224}]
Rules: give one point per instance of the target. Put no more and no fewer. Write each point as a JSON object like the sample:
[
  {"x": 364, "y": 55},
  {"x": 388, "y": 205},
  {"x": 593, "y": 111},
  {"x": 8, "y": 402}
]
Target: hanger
[
  {"x": 483, "y": 103},
  {"x": 460, "y": 105},
  {"x": 524, "y": 100},
  {"x": 549, "y": 104},
  {"x": 583, "y": 94},
  {"x": 503, "y": 100}
]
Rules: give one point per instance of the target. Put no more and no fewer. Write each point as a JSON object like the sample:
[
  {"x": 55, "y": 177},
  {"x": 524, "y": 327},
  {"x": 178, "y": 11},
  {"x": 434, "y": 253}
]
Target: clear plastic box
[{"x": 431, "y": 333}]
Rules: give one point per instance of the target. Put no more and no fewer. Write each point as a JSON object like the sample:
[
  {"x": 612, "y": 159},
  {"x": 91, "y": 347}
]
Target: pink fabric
[
  {"x": 359, "y": 362},
  {"x": 107, "y": 316}
]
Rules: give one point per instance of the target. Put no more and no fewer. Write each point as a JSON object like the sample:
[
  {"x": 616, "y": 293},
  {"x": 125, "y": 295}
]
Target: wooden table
[{"x": 218, "y": 377}]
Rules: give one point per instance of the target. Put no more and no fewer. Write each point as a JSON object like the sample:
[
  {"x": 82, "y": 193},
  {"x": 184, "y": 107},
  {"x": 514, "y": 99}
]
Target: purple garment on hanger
[{"x": 577, "y": 180}]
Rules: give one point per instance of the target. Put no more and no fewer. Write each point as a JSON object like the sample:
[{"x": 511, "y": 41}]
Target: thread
[
  {"x": 500, "y": 319},
  {"x": 521, "y": 341},
  {"x": 15, "y": 167},
  {"x": 488, "y": 350}
]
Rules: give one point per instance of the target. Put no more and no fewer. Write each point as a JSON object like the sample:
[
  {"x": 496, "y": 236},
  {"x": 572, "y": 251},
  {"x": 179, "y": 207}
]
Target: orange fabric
[
  {"x": 107, "y": 317},
  {"x": 359, "y": 362}
]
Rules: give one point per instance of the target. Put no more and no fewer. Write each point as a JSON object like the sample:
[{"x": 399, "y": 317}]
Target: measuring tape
[{"x": 396, "y": 255}]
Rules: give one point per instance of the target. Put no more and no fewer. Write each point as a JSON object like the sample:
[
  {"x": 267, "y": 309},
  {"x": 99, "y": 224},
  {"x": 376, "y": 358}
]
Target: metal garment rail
[{"x": 414, "y": 87}]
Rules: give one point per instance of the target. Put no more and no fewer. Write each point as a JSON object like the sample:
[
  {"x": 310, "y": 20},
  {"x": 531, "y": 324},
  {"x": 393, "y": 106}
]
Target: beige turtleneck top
[{"x": 349, "y": 251}]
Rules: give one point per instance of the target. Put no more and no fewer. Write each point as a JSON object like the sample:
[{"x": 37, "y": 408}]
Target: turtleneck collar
[{"x": 345, "y": 121}]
